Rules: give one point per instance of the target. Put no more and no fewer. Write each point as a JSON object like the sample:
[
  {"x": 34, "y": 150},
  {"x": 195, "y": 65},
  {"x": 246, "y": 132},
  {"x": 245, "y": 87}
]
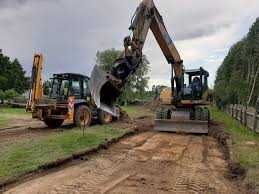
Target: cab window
[
  {"x": 75, "y": 88},
  {"x": 64, "y": 88},
  {"x": 86, "y": 89}
]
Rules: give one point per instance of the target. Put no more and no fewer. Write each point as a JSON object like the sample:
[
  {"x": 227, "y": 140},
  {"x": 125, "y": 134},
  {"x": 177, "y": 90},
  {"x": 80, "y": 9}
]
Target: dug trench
[{"x": 144, "y": 162}]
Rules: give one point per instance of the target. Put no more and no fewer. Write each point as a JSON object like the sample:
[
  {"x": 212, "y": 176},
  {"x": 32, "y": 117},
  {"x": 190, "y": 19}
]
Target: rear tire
[
  {"x": 83, "y": 116},
  {"x": 104, "y": 118},
  {"x": 53, "y": 123}
]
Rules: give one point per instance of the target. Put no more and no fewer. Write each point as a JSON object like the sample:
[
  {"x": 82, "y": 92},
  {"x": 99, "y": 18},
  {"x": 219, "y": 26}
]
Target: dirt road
[{"x": 146, "y": 163}]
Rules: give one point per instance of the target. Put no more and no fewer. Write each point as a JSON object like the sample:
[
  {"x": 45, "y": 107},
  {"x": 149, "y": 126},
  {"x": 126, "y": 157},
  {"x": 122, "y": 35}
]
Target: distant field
[
  {"x": 245, "y": 145},
  {"x": 137, "y": 111},
  {"x": 10, "y": 114}
]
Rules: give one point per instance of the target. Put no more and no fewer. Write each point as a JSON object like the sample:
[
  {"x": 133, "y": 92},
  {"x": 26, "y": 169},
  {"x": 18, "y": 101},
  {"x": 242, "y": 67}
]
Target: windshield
[{"x": 59, "y": 88}]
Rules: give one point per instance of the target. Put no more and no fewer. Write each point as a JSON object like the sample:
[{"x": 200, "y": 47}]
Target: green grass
[
  {"x": 245, "y": 144},
  {"x": 29, "y": 155},
  {"x": 137, "y": 111},
  {"x": 7, "y": 114},
  {"x": 13, "y": 111}
]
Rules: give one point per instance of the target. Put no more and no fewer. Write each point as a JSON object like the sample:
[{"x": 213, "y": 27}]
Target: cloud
[
  {"x": 69, "y": 33},
  {"x": 11, "y": 3}
]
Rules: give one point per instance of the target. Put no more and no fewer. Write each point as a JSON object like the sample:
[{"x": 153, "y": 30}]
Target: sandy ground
[{"x": 145, "y": 163}]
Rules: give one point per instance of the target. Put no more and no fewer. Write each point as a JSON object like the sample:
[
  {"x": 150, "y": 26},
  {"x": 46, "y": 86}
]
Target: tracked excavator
[{"x": 185, "y": 111}]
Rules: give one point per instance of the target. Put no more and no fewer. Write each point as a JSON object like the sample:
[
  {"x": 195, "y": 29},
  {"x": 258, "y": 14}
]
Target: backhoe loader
[
  {"x": 69, "y": 99},
  {"x": 185, "y": 111}
]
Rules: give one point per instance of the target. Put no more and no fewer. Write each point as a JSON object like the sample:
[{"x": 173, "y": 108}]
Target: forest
[{"x": 237, "y": 79}]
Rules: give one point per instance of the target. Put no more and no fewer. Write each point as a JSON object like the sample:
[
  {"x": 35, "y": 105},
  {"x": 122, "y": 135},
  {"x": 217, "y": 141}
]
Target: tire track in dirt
[{"x": 145, "y": 163}]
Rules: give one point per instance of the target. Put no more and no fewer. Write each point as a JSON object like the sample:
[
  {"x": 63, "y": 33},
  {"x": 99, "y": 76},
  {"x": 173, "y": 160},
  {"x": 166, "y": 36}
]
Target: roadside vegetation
[
  {"x": 237, "y": 80},
  {"x": 245, "y": 145},
  {"x": 28, "y": 154}
]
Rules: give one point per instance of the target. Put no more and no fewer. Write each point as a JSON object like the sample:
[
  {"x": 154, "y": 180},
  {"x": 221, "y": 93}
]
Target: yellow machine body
[{"x": 36, "y": 91}]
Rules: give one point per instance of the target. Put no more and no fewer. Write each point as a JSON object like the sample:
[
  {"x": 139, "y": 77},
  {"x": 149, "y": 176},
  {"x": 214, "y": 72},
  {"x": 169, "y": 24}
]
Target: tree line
[
  {"x": 237, "y": 79},
  {"x": 13, "y": 81}
]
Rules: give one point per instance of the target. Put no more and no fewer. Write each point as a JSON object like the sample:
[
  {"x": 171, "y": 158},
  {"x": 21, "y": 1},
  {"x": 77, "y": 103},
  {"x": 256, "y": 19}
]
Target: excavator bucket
[
  {"x": 182, "y": 126},
  {"x": 105, "y": 90}
]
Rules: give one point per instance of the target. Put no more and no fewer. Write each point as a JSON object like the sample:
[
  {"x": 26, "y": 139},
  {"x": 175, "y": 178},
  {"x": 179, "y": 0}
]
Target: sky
[{"x": 70, "y": 32}]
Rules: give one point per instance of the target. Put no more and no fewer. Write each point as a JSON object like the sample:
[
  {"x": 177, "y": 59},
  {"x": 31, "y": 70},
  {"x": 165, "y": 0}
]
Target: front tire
[
  {"x": 53, "y": 123},
  {"x": 83, "y": 116}
]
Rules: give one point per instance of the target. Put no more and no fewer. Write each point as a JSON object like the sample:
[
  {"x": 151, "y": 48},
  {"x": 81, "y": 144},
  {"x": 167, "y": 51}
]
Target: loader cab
[
  {"x": 68, "y": 84},
  {"x": 196, "y": 83}
]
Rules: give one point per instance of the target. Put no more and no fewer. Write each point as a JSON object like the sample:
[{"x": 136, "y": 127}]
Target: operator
[{"x": 196, "y": 86}]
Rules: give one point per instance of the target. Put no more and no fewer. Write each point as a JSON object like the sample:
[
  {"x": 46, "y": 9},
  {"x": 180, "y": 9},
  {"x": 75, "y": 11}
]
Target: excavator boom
[{"x": 107, "y": 86}]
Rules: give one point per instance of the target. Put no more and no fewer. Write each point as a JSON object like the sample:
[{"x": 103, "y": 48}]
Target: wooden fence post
[
  {"x": 236, "y": 111},
  {"x": 245, "y": 117},
  {"x": 255, "y": 121},
  {"x": 242, "y": 114}
]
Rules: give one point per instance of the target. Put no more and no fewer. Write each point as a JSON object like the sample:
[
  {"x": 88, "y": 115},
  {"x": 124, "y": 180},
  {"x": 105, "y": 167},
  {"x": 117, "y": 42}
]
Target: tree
[
  {"x": 12, "y": 75},
  {"x": 236, "y": 80},
  {"x": 10, "y": 94},
  {"x": 106, "y": 58},
  {"x": 137, "y": 84},
  {"x": 2, "y": 96}
]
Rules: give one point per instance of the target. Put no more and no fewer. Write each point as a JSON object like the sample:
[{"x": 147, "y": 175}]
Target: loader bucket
[
  {"x": 105, "y": 89},
  {"x": 182, "y": 126}
]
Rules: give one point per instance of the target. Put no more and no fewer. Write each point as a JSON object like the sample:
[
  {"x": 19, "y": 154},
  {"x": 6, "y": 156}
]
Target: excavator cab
[{"x": 196, "y": 84}]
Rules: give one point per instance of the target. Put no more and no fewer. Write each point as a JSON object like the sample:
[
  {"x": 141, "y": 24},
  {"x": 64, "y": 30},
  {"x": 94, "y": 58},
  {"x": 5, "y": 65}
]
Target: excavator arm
[
  {"x": 107, "y": 86},
  {"x": 36, "y": 90}
]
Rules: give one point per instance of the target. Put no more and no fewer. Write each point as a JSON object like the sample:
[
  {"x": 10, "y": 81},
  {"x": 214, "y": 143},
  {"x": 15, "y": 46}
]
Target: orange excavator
[{"x": 186, "y": 110}]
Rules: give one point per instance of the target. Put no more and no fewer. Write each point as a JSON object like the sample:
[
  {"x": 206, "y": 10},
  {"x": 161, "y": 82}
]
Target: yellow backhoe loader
[
  {"x": 184, "y": 110},
  {"x": 69, "y": 99}
]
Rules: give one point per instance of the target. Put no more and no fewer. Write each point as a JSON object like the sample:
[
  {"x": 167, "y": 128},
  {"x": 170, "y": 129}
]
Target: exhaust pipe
[{"x": 105, "y": 89}]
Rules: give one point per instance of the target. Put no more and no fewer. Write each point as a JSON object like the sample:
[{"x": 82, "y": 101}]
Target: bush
[{"x": 7, "y": 95}]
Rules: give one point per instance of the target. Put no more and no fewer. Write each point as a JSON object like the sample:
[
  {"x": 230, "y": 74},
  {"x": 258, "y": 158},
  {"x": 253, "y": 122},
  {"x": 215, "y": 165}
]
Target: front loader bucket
[
  {"x": 182, "y": 126},
  {"x": 105, "y": 89}
]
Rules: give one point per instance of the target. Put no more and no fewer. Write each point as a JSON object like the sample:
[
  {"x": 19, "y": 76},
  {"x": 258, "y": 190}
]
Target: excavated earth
[{"x": 149, "y": 162}]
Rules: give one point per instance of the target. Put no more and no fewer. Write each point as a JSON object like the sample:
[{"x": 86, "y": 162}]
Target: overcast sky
[{"x": 70, "y": 32}]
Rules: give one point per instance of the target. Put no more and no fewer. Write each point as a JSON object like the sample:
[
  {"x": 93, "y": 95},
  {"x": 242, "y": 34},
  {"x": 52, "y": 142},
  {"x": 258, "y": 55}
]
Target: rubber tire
[
  {"x": 78, "y": 119},
  {"x": 102, "y": 119},
  {"x": 53, "y": 123}
]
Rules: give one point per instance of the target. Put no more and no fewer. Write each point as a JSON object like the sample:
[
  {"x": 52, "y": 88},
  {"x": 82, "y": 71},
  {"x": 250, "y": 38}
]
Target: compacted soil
[{"x": 149, "y": 162}]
